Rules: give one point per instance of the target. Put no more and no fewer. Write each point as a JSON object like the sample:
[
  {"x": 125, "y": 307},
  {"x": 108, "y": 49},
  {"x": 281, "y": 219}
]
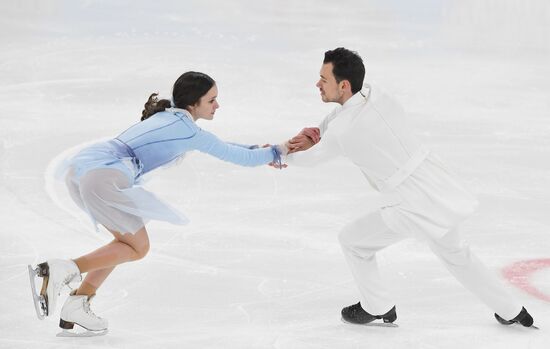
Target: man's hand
[
  {"x": 304, "y": 140},
  {"x": 313, "y": 133},
  {"x": 299, "y": 143}
]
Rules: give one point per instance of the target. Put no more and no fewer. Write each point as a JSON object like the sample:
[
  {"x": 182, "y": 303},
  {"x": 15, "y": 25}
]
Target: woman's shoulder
[
  {"x": 176, "y": 114},
  {"x": 166, "y": 118}
]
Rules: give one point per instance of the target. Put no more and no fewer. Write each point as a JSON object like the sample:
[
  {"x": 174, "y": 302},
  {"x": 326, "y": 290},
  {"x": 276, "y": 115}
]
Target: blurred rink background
[{"x": 259, "y": 266}]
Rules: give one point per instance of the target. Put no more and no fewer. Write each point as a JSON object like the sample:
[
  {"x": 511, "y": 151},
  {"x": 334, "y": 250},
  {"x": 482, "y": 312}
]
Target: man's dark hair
[{"x": 347, "y": 65}]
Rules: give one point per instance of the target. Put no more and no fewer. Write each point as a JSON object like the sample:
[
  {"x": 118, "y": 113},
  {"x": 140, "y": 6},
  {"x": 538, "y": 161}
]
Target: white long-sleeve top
[
  {"x": 421, "y": 196},
  {"x": 371, "y": 130}
]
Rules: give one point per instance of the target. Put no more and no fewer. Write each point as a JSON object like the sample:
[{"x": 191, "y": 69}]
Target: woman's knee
[
  {"x": 138, "y": 241},
  {"x": 142, "y": 249},
  {"x": 141, "y": 243}
]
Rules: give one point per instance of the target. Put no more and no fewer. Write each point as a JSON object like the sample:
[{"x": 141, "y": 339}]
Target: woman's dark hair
[
  {"x": 347, "y": 65},
  {"x": 188, "y": 90}
]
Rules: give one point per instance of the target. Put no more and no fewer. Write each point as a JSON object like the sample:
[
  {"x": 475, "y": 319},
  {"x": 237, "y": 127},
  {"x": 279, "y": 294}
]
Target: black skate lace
[
  {"x": 69, "y": 278},
  {"x": 66, "y": 282}
]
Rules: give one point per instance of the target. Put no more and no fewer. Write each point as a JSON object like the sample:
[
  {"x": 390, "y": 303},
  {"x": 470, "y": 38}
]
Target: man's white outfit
[{"x": 423, "y": 199}]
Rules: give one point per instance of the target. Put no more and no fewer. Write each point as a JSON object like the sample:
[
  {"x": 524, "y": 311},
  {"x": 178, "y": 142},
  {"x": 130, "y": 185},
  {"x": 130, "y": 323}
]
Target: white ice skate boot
[
  {"x": 76, "y": 311},
  {"x": 55, "y": 274}
]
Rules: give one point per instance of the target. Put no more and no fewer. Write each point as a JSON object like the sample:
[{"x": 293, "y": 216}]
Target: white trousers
[{"x": 363, "y": 238}]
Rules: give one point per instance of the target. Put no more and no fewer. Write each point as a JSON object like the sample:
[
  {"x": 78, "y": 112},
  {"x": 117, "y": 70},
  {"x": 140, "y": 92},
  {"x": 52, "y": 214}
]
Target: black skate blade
[
  {"x": 39, "y": 302},
  {"x": 373, "y": 324}
]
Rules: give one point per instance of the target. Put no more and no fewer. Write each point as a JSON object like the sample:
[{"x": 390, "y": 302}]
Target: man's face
[{"x": 331, "y": 90}]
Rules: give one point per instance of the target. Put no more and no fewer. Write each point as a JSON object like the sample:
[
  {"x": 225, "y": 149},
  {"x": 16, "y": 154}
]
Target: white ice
[{"x": 260, "y": 266}]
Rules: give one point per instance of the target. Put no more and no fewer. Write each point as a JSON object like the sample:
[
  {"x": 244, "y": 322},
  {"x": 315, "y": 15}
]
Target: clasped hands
[{"x": 304, "y": 140}]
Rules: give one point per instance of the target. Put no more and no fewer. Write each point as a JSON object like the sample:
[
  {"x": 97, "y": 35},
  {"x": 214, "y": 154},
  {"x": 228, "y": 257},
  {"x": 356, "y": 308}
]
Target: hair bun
[{"x": 154, "y": 105}]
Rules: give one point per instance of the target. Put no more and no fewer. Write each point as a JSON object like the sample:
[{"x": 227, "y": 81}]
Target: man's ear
[{"x": 345, "y": 85}]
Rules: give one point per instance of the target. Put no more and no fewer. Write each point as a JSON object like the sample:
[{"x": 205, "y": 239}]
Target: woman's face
[{"x": 206, "y": 106}]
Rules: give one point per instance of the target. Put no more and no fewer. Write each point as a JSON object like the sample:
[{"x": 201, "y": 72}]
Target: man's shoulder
[{"x": 379, "y": 92}]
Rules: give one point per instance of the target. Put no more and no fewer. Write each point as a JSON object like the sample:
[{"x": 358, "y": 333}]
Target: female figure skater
[{"x": 101, "y": 181}]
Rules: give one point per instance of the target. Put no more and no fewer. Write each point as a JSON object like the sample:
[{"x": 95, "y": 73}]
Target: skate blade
[
  {"x": 39, "y": 302},
  {"x": 533, "y": 327},
  {"x": 86, "y": 333},
  {"x": 373, "y": 324},
  {"x": 517, "y": 324}
]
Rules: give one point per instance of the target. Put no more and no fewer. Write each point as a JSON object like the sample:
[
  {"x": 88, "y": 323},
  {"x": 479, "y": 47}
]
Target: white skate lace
[{"x": 89, "y": 311}]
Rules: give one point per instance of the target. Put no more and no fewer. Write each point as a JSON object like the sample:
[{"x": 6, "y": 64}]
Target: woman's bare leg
[
  {"x": 101, "y": 262},
  {"x": 93, "y": 281}
]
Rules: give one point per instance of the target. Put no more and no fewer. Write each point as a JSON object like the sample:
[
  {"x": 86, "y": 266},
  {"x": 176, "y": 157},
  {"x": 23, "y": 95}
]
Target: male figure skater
[{"x": 423, "y": 199}]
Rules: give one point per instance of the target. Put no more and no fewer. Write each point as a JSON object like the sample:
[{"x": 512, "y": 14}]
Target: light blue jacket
[{"x": 161, "y": 139}]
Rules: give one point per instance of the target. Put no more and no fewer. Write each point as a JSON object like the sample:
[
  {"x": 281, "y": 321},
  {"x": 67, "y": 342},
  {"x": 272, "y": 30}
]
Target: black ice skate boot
[
  {"x": 355, "y": 314},
  {"x": 524, "y": 318}
]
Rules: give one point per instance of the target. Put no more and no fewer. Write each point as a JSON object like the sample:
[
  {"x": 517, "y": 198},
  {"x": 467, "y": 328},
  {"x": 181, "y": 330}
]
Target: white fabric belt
[{"x": 404, "y": 172}]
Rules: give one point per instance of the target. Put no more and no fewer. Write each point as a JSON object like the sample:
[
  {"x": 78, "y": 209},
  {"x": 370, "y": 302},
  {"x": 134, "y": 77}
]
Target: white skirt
[{"x": 108, "y": 195}]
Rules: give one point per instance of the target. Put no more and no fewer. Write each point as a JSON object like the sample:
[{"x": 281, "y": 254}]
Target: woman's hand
[{"x": 274, "y": 164}]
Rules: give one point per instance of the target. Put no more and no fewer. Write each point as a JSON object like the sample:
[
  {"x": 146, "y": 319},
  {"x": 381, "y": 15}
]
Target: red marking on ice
[{"x": 519, "y": 273}]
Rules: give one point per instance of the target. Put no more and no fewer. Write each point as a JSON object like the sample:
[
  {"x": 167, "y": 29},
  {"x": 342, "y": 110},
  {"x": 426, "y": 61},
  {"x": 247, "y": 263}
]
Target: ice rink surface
[{"x": 259, "y": 266}]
